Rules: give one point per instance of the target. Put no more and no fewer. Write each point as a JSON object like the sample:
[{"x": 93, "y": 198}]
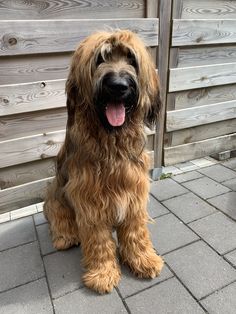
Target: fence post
[{"x": 165, "y": 24}]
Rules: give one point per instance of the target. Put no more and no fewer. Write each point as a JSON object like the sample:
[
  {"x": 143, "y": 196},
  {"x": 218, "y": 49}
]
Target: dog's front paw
[
  {"x": 103, "y": 279},
  {"x": 63, "y": 243},
  {"x": 146, "y": 265}
]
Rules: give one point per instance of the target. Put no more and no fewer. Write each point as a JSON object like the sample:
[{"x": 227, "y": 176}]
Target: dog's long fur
[{"x": 102, "y": 173}]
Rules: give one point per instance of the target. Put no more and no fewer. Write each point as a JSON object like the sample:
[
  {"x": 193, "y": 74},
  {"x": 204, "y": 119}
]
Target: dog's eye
[
  {"x": 132, "y": 60},
  {"x": 99, "y": 59}
]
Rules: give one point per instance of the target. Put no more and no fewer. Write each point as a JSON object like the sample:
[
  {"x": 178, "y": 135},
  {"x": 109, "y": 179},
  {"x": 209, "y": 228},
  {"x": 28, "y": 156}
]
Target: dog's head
[{"x": 113, "y": 76}]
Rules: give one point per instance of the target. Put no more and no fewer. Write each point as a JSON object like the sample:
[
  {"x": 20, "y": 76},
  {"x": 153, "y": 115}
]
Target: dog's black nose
[{"x": 116, "y": 84}]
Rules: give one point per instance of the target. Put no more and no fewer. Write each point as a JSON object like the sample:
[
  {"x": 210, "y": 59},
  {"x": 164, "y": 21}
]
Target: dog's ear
[
  {"x": 71, "y": 95},
  {"x": 72, "y": 98},
  {"x": 152, "y": 113},
  {"x": 154, "y": 100}
]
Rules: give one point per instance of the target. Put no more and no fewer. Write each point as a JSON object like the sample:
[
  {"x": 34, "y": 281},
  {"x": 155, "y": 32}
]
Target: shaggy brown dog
[{"x": 102, "y": 169}]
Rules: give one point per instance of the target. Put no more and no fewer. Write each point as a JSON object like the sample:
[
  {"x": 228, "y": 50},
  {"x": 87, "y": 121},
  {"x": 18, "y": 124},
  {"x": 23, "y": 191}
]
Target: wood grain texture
[
  {"x": 23, "y": 195},
  {"x": 186, "y": 118},
  {"x": 202, "y": 132},
  {"x": 208, "y": 9},
  {"x": 202, "y": 76},
  {"x": 28, "y": 97},
  {"x": 150, "y": 143},
  {"x": 177, "y": 8},
  {"x": 152, "y": 11},
  {"x": 199, "y": 56},
  {"x": 199, "y": 149},
  {"x": 24, "y": 173},
  {"x": 32, "y": 123},
  {"x": 151, "y": 8},
  {"x": 76, "y": 9},
  {"x": 34, "y": 68},
  {"x": 203, "y": 96},
  {"x": 20, "y": 37},
  {"x": 30, "y": 148},
  {"x": 163, "y": 59},
  {"x": 202, "y": 32}
]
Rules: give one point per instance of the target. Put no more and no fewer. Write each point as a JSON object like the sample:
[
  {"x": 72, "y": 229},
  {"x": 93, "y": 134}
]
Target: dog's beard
[{"x": 115, "y": 100}]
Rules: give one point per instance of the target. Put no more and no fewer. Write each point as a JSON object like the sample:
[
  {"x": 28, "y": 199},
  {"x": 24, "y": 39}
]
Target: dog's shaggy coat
[{"x": 101, "y": 178}]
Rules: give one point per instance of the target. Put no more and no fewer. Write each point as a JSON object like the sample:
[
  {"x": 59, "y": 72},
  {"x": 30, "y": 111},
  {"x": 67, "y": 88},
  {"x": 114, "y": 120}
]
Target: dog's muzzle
[{"x": 116, "y": 98}]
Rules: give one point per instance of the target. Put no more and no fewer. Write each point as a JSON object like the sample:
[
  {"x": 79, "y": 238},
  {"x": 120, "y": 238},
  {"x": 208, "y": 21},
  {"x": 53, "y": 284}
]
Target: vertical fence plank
[
  {"x": 165, "y": 8},
  {"x": 152, "y": 8}
]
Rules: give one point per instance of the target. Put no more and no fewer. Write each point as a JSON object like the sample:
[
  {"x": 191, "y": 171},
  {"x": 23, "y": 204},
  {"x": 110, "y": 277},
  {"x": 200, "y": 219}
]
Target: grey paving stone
[
  {"x": 4, "y": 217},
  {"x": 189, "y": 207},
  {"x": 231, "y": 184},
  {"x": 20, "y": 265},
  {"x": 217, "y": 230},
  {"x": 167, "y": 297},
  {"x": 169, "y": 233},
  {"x": 64, "y": 271},
  {"x": 218, "y": 173},
  {"x": 39, "y": 219},
  {"x": 155, "y": 209},
  {"x": 88, "y": 302},
  {"x": 186, "y": 166},
  {"x": 222, "y": 301},
  {"x": 231, "y": 257},
  {"x": 188, "y": 176},
  {"x": 130, "y": 284},
  {"x": 31, "y": 298},
  {"x": 165, "y": 189},
  {"x": 45, "y": 240},
  {"x": 206, "y": 187},
  {"x": 226, "y": 203},
  {"x": 230, "y": 163},
  {"x": 14, "y": 233},
  {"x": 200, "y": 269}
]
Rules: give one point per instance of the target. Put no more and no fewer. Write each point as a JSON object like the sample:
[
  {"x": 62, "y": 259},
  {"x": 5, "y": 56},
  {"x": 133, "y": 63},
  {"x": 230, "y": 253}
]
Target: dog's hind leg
[
  {"x": 63, "y": 227},
  {"x": 99, "y": 250}
]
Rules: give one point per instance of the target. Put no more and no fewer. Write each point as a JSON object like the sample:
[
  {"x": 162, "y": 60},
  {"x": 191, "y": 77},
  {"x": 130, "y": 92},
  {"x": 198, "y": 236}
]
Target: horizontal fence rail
[{"x": 19, "y": 37}]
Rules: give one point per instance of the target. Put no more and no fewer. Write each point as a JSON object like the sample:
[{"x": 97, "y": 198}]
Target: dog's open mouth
[
  {"x": 116, "y": 99},
  {"x": 115, "y": 114}
]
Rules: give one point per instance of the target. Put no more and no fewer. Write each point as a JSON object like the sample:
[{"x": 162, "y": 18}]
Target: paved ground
[{"x": 194, "y": 230}]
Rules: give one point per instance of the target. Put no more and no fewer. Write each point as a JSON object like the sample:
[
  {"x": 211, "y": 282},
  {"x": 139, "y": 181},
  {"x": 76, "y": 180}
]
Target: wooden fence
[
  {"x": 201, "y": 99},
  {"x": 193, "y": 43},
  {"x": 37, "y": 41}
]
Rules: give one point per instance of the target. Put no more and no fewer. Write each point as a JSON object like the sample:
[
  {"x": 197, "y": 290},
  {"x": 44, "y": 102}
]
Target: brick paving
[{"x": 194, "y": 229}]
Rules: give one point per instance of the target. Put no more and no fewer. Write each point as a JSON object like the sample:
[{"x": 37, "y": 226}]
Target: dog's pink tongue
[{"x": 115, "y": 114}]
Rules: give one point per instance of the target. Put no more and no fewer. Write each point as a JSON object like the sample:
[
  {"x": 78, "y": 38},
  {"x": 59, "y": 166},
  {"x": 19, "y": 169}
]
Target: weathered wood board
[
  {"x": 203, "y": 32},
  {"x": 76, "y": 9},
  {"x": 23, "y": 195},
  {"x": 28, "y": 97},
  {"x": 190, "y": 117},
  {"x": 202, "y": 76},
  {"x": 34, "y": 123},
  {"x": 34, "y": 68},
  {"x": 28, "y": 172},
  {"x": 199, "y": 56},
  {"x": 202, "y": 132},
  {"x": 26, "y": 149},
  {"x": 181, "y": 153},
  {"x": 18, "y": 37},
  {"x": 208, "y": 9},
  {"x": 204, "y": 96}
]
